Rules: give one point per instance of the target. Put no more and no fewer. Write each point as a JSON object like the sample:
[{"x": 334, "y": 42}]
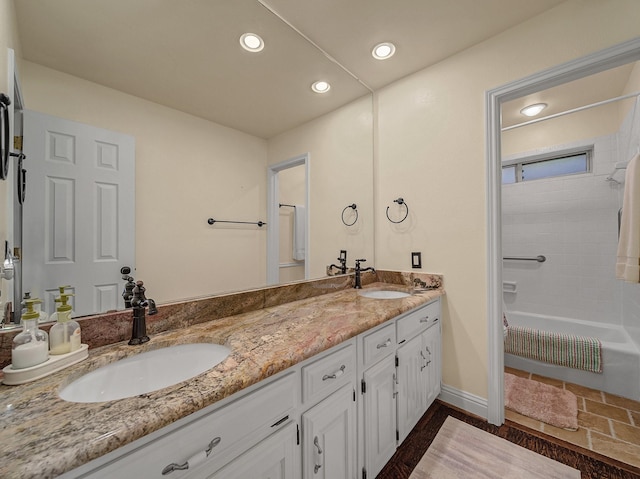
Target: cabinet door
[
  {"x": 379, "y": 401},
  {"x": 273, "y": 458},
  {"x": 411, "y": 378},
  {"x": 431, "y": 345},
  {"x": 329, "y": 435}
]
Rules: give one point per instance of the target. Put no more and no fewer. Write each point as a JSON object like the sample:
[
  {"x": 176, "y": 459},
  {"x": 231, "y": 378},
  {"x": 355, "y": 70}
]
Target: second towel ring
[
  {"x": 354, "y": 208},
  {"x": 400, "y": 201}
]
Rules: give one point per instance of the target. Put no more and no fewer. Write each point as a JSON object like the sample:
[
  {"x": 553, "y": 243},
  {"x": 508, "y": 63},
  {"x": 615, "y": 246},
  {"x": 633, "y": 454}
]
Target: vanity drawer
[
  {"x": 413, "y": 323},
  {"x": 379, "y": 343},
  {"x": 327, "y": 374},
  {"x": 239, "y": 425}
]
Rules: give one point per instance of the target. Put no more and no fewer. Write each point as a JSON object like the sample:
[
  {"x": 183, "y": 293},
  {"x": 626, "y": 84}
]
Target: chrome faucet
[
  {"x": 359, "y": 270},
  {"x": 139, "y": 303}
]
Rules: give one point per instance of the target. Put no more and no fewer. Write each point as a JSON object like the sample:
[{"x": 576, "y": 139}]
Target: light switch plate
[{"x": 416, "y": 259}]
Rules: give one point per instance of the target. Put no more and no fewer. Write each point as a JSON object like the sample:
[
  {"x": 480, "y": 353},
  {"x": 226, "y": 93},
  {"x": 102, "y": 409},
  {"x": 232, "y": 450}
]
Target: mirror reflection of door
[
  {"x": 79, "y": 213},
  {"x": 292, "y": 222}
]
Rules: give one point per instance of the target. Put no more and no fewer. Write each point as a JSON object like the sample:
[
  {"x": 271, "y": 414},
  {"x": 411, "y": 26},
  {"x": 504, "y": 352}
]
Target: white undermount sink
[
  {"x": 384, "y": 294},
  {"x": 145, "y": 372}
]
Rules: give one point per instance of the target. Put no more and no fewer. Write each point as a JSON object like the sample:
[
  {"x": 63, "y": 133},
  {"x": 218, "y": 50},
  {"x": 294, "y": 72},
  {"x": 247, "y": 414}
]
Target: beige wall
[
  {"x": 430, "y": 138},
  {"x": 340, "y": 147},
  {"x": 187, "y": 170},
  {"x": 599, "y": 121}
]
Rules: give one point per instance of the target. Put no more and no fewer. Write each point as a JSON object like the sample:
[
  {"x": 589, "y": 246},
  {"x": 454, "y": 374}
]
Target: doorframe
[
  {"x": 590, "y": 64},
  {"x": 13, "y": 209},
  {"x": 273, "y": 215}
]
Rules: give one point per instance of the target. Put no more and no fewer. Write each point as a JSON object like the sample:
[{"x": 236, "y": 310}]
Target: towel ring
[
  {"x": 400, "y": 201},
  {"x": 354, "y": 208}
]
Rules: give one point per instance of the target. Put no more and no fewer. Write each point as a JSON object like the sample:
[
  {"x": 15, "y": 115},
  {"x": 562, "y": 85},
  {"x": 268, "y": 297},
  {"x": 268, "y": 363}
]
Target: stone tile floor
[{"x": 608, "y": 424}]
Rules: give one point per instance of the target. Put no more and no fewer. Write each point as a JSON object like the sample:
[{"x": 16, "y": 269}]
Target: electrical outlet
[{"x": 416, "y": 259}]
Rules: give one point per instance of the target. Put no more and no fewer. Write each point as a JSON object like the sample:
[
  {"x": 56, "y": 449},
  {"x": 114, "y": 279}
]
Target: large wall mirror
[{"x": 207, "y": 119}]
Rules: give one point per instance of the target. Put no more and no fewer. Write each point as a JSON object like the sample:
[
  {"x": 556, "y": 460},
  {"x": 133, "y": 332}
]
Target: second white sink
[
  {"x": 384, "y": 294},
  {"x": 145, "y": 372}
]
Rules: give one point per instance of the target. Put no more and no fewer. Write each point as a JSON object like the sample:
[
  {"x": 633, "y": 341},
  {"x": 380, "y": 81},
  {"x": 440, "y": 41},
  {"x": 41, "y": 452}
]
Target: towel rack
[
  {"x": 539, "y": 258},
  {"x": 355, "y": 209},
  {"x": 259, "y": 223},
  {"x": 280, "y": 205},
  {"x": 400, "y": 202}
]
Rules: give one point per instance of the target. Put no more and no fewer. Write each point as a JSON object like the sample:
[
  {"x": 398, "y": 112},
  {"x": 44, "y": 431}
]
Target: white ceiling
[{"x": 186, "y": 55}]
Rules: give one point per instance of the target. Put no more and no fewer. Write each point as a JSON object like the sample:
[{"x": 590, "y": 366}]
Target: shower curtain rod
[{"x": 574, "y": 110}]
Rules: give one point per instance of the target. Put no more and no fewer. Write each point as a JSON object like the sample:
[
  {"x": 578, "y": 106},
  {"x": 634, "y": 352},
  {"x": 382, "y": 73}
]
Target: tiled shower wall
[{"x": 573, "y": 221}]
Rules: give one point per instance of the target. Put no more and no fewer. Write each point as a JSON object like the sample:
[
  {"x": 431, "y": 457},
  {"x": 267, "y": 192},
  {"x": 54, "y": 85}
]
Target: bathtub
[{"x": 620, "y": 356}]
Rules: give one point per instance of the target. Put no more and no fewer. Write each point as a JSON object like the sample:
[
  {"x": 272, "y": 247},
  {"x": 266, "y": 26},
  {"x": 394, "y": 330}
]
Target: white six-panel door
[{"x": 79, "y": 212}]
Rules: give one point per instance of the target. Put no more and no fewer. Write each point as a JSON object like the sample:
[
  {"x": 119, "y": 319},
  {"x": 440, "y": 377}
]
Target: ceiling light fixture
[
  {"x": 251, "y": 42},
  {"x": 533, "y": 110},
  {"x": 382, "y": 51},
  {"x": 321, "y": 86}
]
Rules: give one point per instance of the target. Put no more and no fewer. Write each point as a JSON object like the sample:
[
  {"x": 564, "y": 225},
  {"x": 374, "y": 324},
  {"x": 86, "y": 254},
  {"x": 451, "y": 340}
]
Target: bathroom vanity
[{"x": 325, "y": 387}]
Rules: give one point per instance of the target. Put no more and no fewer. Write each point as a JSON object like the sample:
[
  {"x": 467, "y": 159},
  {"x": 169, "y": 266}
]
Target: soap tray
[{"x": 13, "y": 377}]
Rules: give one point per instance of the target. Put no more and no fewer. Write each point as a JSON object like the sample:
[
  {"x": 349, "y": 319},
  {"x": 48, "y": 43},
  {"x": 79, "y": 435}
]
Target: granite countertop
[{"x": 44, "y": 436}]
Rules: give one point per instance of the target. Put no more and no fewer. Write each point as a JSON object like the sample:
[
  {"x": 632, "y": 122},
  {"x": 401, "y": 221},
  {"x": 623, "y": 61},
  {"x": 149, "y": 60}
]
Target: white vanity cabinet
[
  {"x": 338, "y": 415},
  {"x": 203, "y": 442},
  {"x": 273, "y": 458},
  {"x": 400, "y": 379},
  {"x": 418, "y": 365},
  {"x": 329, "y": 425}
]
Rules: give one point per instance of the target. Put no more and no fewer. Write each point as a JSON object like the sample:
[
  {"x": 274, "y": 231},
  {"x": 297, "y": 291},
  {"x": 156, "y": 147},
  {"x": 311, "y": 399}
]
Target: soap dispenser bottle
[
  {"x": 65, "y": 334},
  {"x": 31, "y": 346}
]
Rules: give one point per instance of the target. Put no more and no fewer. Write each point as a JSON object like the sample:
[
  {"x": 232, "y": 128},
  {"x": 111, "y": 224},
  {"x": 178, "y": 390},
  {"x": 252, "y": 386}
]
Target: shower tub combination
[{"x": 620, "y": 356}]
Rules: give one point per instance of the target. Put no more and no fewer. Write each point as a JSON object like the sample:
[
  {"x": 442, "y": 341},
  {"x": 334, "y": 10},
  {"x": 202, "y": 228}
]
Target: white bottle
[
  {"x": 64, "y": 336},
  {"x": 31, "y": 346}
]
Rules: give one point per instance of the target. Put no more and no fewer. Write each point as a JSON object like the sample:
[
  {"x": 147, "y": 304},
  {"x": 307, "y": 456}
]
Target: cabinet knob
[
  {"x": 386, "y": 344},
  {"x": 425, "y": 319}
]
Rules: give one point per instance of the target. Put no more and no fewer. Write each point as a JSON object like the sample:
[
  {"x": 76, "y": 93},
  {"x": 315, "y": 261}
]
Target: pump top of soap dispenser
[
  {"x": 62, "y": 299},
  {"x": 31, "y": 313}
]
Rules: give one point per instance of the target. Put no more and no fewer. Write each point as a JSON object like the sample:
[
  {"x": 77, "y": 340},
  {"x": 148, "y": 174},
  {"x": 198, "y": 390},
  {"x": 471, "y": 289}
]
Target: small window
[
  {"x": 508, "y": 175},
  {"x": 538, "y": 168}
]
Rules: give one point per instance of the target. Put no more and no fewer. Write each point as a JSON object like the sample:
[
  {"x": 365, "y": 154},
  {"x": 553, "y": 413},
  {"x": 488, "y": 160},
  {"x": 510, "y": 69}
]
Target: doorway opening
[
  {"x": 288, "y": 220},
  {"x": 595, "y": 63}
]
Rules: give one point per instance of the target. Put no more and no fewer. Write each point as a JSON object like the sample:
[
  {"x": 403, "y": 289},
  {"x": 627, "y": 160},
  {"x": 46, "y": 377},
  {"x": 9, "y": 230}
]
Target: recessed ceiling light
[
  {"x": 251, "y": 42},
  {"x": 533, "y": 110},
  {"x": 382, "y": 51},
  {"x": 321, "y": 87}
]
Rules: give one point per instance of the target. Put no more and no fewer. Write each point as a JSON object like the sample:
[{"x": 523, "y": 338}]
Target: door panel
[{"x": 79, "y": 213}]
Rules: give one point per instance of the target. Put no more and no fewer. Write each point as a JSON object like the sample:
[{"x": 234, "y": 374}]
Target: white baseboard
[{"x": 464, "y": 400}]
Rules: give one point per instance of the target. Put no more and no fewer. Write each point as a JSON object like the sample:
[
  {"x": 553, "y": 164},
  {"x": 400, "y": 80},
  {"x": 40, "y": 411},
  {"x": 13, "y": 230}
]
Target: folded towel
[
  {"x": 578, "y": 352},
  {"x": 628, "y": 257},
  {"x": 299, "y": 232}
]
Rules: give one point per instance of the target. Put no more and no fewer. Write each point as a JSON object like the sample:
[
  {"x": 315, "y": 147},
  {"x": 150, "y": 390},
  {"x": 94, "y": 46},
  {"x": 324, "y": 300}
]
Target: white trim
[
  {"x": 273, "y": 215},
  {"x": 291, "y": 265},
  {"x": 566, "y": 72},
  {"x": 464, "y": 400}
]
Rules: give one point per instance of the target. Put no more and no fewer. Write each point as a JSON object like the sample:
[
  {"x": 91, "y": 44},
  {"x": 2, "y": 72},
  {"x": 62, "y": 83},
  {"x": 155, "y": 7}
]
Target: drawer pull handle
[
  {"x": 194, "y": 460},
  {"x": 277, "y": 423},
  {"x": 425, "y": 319},
  {"x": 386, "y": 344},
  {"x": 336, "y": 374},
  {"x": 317, "y": 467}
]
